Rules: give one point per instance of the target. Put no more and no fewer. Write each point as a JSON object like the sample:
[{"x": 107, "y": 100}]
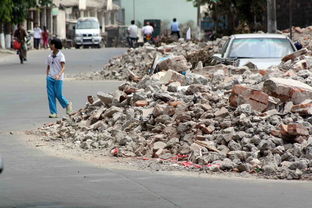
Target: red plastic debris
[{"x": 115, "y": 151}]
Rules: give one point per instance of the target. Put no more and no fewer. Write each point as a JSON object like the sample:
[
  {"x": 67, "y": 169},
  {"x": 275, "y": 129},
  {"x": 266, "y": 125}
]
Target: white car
[
  {"x": 88, "y": 32},
  {"x": 263, "y": 50}
]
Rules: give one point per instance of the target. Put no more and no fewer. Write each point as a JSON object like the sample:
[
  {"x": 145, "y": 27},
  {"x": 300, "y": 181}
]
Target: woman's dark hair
[{"x": 57, "y": 43}]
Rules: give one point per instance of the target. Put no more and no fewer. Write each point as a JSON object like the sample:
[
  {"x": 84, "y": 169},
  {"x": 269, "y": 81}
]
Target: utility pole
[
  {"x": 133, "y": 9},
  {"x": 198, "y": 15},
  {"x": 271, "y": 10},
  {"x": 290, "y": 19}
]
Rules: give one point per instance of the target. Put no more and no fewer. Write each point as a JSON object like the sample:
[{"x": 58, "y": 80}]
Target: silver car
[{"x": 264, "y": 50}]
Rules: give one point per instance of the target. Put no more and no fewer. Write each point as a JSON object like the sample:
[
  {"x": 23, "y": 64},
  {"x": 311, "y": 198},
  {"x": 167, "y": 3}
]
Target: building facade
[{"x": 165, "y": 10}]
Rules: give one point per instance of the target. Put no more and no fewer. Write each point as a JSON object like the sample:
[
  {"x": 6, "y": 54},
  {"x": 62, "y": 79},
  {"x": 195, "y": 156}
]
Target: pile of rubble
[
  {"x": 141, "y": 60},
  {"x": 229, "y": 119},
  {"x": 302, "y": 35}
]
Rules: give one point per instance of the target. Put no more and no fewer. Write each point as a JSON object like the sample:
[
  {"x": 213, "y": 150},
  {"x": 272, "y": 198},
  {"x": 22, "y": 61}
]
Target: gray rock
[
  {"x": 159, "y": 145},
  {"x": 173, "y": 87},
  {"x": 244, "y": 167},
  {"x": 227, "y": 165},
  {"x": 213, "y": 156},
  {"x": 234, "y": 146},
  {"x": 255, "y": 139},
  {"x": 163, "y": 96},
  {"x": 308, "y": 152},
  {"x": 241, "y": 155},
  {"x": 244, "y": 108},
  {"x": 192, "y": 78},
  {"x": 222, "y": 112},
  {"x": 111, "y": 111},
  {"x": 141, "y": 95},
  {"x": 301, "y": 165},
  {"x": 105, "y": 98},
  {"x": 266, "y": 145},
  {"x": 269, "y": 169},
  {"x": 165, "y": 119},
  {"x": 173, "y": 141},
  {"x": 279, "y": 150}
]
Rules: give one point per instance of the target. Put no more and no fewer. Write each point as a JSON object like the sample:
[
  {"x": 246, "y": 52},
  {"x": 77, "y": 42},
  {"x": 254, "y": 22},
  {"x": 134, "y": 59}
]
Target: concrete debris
[
  {"x": 302, "y": 35},
  {"x": 179, "y": 56},
  {"x": 295, "y": 55},
  {"x": 219, "y": 119},
  {"x": 287, "y": 90}
]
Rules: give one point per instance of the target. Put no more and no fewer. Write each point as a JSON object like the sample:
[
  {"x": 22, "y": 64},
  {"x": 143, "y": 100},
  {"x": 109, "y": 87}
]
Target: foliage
[
  {"x": 6, "y": 10},
  {"x": 45, "y": 2},
  {"x": 16, "y": 11},
  {"x": 20, "y": 9},
  {"x": 238, "y": 11}
]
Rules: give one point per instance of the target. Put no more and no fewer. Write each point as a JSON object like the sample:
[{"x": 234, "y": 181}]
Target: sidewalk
[{"x": 6, "y": 52}]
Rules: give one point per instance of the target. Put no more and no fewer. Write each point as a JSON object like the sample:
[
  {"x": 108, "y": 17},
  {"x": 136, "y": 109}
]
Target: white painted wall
[
  {"x": 61, "y": 24},
  {"x": 159, "y": 9},
  {"x": 2, "y": 40}
]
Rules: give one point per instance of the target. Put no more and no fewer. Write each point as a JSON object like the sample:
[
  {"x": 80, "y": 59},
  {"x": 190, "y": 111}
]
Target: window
[
  {"x": 87, "y": 24},
  {"x": 260, "y": 48}
]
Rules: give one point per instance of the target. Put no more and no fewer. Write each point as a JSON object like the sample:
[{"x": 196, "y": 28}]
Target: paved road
[{"x": 33, "y": 179}]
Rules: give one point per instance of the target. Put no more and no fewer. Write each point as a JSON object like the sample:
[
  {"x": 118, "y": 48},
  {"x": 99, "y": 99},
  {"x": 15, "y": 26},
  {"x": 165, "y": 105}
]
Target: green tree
[
  {"x": 20, "y": 10},
  {"x": 6, "y": 10},
  {"x": 47, "y": 3},
  {"x": 16, "y": 11},
  {"x": 236, "y": 11}
]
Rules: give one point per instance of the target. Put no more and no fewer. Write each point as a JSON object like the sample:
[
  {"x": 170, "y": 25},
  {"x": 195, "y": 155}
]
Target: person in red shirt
[{"x": 45, "y": 37}]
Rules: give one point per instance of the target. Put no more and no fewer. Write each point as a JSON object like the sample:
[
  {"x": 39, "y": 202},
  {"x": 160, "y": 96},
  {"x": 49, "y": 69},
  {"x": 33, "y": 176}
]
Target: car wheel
[
  {"x": 77, "y": 46},
  {"x": 101, "y": 44}
]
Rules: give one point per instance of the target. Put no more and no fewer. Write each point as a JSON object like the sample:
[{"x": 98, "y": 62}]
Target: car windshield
[
  {"x": 260, "y": 48},
  {"x": 87, "y": 24}
]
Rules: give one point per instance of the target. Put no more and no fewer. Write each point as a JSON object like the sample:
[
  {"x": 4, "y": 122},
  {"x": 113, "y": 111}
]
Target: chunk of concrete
[
  {"x": 258, "y": 100},
  {"x": 287, "y": 90}
]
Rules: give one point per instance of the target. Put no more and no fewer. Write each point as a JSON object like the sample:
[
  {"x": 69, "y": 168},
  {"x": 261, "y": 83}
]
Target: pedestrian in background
[
  {"x": 55, "y": 77},
  {"x": 45, "y": 37},
  {"x": 147, "y": 31},
  {"x": 175, "y": 28},
  {"x": 37, "y": 36},
  {"x": 20, "y": 35},
  {"x": 133, "y": 34}
]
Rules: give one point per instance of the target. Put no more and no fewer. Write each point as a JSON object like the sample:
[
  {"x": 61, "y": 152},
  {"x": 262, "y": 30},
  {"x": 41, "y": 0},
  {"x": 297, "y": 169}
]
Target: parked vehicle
[
  {"x": 88, "y": 32},
  {"x": 263, "y": 50}
]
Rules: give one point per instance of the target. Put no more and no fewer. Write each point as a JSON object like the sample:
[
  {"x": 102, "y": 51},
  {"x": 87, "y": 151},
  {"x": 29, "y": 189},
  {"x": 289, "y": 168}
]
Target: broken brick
[
  {"x": 175, "y": 103},
  {"x": 295, "y": 55},
  {"x": 302, "y": 109},
  {"x": 287, "y": 90},
  {"x": 291, "y": 131},
  {"x": 258, "y": 100},
  {"x": 141, "y": 103}
]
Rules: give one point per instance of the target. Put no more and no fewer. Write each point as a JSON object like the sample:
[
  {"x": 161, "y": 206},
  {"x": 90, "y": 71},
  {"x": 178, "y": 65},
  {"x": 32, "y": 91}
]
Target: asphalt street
[{"x": 34, "y": 179}]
